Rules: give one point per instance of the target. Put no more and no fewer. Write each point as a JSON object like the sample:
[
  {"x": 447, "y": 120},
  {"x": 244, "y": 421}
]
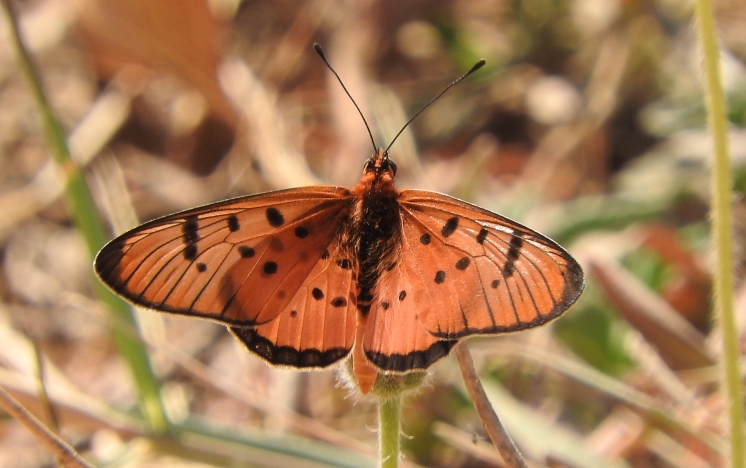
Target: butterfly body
[{"x": 305, "y": 276}]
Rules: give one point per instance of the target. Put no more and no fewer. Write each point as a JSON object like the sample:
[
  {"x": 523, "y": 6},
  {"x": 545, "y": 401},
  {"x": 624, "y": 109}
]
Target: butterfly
[{"x": 305, "y": 277}]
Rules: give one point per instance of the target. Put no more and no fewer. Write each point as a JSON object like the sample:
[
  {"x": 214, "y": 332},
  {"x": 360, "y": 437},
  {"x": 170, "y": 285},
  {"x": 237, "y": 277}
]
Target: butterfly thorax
[{"x": 376, "y": 225}]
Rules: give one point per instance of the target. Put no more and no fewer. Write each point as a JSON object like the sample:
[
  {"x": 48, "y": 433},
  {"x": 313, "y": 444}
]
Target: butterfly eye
[{"x": 392, "y": 167}]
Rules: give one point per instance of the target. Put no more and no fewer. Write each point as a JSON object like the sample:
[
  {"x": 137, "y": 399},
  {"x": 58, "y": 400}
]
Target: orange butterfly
[{"x": 306, "y": 275}]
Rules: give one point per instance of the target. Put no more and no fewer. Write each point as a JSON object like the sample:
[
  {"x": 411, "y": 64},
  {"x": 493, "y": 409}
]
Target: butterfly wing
[
  {"x": 463, "y": 270},
  {"x": 253, "y": 263},
  {"x": 317, "y": 327}
]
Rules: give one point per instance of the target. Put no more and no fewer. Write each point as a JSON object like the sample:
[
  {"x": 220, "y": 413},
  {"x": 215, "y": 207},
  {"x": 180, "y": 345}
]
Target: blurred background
[{"x": 586, "y": 124}]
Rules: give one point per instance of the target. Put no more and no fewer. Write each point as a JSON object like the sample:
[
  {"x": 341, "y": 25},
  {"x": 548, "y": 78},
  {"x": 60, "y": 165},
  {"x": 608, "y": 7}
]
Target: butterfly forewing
[
  {"x": 504, "y": 276},
  {"x": 240, "y": 261}
]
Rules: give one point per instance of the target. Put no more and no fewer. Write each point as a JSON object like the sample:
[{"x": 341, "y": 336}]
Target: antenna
[
  {"x": 320, "y": 51},
  {"x": 476, "y": 67}
]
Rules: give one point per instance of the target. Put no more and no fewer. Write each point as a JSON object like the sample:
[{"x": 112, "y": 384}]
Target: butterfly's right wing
[
  {"x": 260, "y": 264},
  {"x": 462, "y": 270}
]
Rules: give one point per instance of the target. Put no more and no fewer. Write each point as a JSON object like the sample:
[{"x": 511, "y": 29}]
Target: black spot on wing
[
  {"x": 245, "y": 251},
  {"x": 402, "y": 295},
  {"x": 190, "y": 229},
  {"x": 482, "y": 235},
  {"x": 385, "y": 305},
  {"x": 190, "y": 236},
  {"x": 450, "y": 226},
  {"x": 190, "y": 252},
  {"x": 440, "y": 276},
  {"x": 463, "y": 263},
  {"x": 233, "y": 225},
  {"x": 515, "y": 246},
  {"x": 270, "y": 268},
  {"x": 425, "y": 239},
  {"x": 339, "y": 302},
  {"x": 344, "y": 263},
  {"x": 274, "y": 217},
  {"x": 317, "y": 294},
  {"x": 201, "y": 267},
  {"x": 509, "y": 269},
  {"x": 301, "y": 232},
  {"x": 495, "y": 283}
]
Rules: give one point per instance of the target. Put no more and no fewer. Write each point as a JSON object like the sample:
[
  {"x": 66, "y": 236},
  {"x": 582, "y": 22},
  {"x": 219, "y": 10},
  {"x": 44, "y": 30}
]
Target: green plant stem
[
  {"x": 389, "y": 429},
  {"x": 85, "y": 216},
  {"x": 722, "y": 229}
]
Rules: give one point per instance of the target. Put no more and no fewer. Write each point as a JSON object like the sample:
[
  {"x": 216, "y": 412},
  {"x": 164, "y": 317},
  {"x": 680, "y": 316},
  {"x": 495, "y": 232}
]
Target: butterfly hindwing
[
  {"x": 317, "y": 327},
  {"x": 395, "y": 339},
  {"x": 240, "y": 261},
  {"x": 462, "y": 271}
]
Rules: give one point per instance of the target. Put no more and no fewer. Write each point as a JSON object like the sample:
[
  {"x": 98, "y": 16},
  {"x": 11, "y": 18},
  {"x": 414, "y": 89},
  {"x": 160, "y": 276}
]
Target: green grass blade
[{"x": 85, "y": 216}]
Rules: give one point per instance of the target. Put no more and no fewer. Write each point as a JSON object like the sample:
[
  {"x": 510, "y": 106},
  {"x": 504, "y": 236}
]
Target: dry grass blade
[
  {"x": 679, "y": 344},
  {"x": 65, "y": 454}
]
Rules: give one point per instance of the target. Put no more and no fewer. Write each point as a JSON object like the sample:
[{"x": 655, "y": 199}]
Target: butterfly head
[{"x": 380, "y": 165}]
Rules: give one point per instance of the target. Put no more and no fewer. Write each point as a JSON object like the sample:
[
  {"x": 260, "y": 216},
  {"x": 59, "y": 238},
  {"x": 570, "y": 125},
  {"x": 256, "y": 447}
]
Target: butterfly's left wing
[
  {"x": 317, "y": 327},
  {"x": 261, "y": 264},
  {"x": 463, "y": 270}
]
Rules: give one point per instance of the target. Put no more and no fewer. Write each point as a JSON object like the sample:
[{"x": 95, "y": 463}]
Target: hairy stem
[
  {"x": 722, "y": 229},
  {"x": 389, "y": 429}
]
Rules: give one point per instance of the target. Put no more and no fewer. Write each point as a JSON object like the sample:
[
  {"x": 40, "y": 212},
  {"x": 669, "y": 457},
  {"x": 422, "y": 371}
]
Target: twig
[
  {"x": 491, "y": 422},
  {"x": 66, "y": 455},
  {"x": 41, "y": 389}
]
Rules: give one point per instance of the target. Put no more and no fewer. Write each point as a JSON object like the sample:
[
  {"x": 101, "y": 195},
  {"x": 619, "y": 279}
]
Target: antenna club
[
  {"x": 319, "y": 51},
  {"x": 477, "y": 66}
]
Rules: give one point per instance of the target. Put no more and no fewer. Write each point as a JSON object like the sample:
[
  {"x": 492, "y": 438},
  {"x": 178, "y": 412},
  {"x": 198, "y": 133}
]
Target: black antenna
[
  {"x": 320, "y": 51},
  {"x": 476, "y": 67}
]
